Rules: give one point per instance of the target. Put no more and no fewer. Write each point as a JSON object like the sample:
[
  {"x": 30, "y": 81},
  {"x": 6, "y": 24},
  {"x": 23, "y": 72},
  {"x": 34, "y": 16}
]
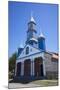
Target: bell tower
[{"x": 31, "y": 32}]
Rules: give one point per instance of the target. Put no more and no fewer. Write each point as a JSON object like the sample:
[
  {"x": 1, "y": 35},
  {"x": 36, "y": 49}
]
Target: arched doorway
[
  {"x": 38, "y": 63},
  {"x": 18, "y": 73},
  {"x": 27, "y": 67}
]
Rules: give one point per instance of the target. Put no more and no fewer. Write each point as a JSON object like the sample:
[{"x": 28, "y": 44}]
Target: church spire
[
  {"x": 32, "y": 19},
  {"x": 41, "y": 35},
  {"x": 31, "y": 32}
]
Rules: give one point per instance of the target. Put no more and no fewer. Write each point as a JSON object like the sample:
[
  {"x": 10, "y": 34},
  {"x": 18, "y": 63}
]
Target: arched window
[{"x": 27, "y": 50}]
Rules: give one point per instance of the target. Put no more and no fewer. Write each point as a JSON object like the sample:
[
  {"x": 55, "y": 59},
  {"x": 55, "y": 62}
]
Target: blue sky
[{"x": 46, "y": 17}]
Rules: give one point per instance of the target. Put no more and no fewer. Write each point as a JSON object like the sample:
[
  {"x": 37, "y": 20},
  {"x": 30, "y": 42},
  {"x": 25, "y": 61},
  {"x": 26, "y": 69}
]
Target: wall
[{"x": 51, "y": 67}]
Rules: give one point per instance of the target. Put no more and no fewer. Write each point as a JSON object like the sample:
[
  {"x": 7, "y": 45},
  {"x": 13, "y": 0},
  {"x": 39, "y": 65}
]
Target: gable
[{"x": 28, "y": 50}]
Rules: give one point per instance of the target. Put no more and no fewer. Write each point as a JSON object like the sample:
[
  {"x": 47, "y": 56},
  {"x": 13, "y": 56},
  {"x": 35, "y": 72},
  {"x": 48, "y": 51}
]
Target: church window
[{"x": 27, "y": 50}]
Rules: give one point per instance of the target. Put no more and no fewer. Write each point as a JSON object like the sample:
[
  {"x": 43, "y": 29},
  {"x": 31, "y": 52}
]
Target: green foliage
[{"x": 12, "y": 61}]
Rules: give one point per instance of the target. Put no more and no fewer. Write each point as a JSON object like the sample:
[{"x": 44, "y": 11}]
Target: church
[{"x": 34, "y": 61}]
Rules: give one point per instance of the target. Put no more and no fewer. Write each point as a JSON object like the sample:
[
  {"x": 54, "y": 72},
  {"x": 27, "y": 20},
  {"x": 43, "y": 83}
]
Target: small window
[{"x": 27, "y": 50}]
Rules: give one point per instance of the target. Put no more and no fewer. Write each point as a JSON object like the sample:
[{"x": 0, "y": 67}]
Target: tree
[{"x": 12, "y": 61}]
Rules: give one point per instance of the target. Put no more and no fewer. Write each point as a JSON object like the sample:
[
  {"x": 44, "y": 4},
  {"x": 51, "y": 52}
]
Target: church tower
[
  {"x": 41, "y": 42},
  {"x": 31, "y": 32}
]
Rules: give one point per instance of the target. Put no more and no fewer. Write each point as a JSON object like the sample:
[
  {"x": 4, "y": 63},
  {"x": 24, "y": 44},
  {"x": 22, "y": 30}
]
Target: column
[
  {"x": 22, "y": 68},
  {"x": 33, "y": 68},
  {"x": 44, "y": 71}
]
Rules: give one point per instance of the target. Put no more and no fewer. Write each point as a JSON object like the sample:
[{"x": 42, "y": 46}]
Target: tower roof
[
  {"x": 32, "y": 19},
  {"x": 41, "y": 35},
  {"x": 34, "y": 39}
]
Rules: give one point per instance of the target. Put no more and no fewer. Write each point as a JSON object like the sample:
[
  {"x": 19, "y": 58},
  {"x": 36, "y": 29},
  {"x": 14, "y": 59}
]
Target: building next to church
[{"x": 34, "y": 61}]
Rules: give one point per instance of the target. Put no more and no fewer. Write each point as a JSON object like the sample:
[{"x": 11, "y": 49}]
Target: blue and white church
[{"x": 33, "y": 60}]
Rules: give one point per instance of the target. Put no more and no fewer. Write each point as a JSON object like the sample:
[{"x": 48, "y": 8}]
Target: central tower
[{"x": 31, "y": 32}]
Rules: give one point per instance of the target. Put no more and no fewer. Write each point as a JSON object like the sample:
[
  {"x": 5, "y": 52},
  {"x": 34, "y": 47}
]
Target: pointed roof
[
  {"x": 32, "y": 19},
  {"x": 41, "y": 35},
  {"x": 34, "y": 51}
]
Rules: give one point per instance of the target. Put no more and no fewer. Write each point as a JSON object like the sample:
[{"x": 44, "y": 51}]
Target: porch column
[
  {"x": 32, "y": 67},
  {"x": 22, "y": 68},
  {"x": 44, "y": 71}
]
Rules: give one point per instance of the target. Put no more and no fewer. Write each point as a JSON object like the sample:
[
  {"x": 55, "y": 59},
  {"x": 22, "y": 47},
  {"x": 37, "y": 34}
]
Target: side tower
[
  {"x": 41, "y": 42},
  {"x": 31, "y": 32}
]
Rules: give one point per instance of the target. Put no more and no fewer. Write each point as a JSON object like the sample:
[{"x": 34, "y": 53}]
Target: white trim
[
  {"x": 33, "y": 73},
  {"x": 44, "y": 71},
  {"x": 34, "y": 39},
  {"x": 32, "y": 67},
  {"x": 30, "y": 57},
  {"x": 23, "y": 53}
]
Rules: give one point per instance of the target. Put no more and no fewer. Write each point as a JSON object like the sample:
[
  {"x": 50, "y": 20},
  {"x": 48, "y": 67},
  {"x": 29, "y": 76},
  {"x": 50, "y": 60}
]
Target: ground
[{"x": 36, "y": 83}]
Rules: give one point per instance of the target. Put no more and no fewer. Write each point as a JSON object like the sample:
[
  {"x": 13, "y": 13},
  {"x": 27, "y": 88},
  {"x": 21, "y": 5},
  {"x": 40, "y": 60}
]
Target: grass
[{"x": 46, "y": 82}]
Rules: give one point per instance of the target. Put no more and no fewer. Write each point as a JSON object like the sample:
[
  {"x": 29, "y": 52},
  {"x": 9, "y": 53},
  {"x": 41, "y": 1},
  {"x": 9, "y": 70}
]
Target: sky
[{"x": 46, "y": 18}]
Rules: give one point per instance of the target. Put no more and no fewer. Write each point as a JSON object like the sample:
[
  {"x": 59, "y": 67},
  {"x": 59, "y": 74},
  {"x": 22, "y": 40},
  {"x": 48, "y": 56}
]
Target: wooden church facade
[{"x": 33, "y": 60}]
